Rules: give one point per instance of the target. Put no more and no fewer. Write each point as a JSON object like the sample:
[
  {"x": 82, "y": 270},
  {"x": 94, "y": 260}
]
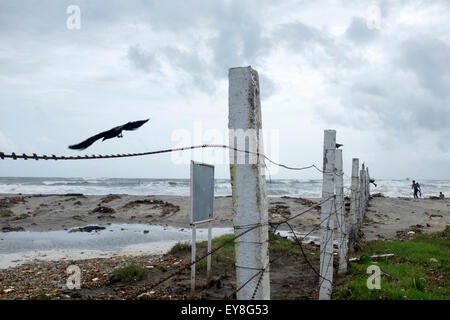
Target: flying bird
[
  {"x": 338, "y": 145},
  {"x": 112, "y": 133}
]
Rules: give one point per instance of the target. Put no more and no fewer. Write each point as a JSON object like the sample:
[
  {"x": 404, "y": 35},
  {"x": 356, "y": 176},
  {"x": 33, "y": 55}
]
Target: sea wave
[{"x": 275, "y": 187}]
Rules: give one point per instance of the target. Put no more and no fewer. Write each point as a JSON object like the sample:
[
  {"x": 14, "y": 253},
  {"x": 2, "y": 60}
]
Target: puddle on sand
[{"x": 117, "y": 239}]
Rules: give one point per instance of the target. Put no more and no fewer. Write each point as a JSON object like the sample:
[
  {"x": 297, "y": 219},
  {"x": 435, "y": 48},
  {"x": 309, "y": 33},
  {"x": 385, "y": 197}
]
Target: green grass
[
  {"x": 410, "y": 274},
  {"x": 6, "y": 213},
  {"x": 41, "y": 296},
  {"x": 128, "y": 274}
]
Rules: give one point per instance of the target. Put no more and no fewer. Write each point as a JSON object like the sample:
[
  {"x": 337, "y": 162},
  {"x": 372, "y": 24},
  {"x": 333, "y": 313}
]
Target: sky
[{"x": 378, "y": 72}]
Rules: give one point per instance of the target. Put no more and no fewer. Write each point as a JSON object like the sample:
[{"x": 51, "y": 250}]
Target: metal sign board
[{"x": 202, "y": 192}]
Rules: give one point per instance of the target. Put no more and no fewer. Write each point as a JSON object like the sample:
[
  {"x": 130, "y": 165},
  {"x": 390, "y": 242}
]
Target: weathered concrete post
[
  {"x": 354, "y": 201},
  {"x": 327, "y": 215},
  {"x": 362, "y": 194},
  {"x": 248, "y": 184},
  {"x": 341, "y": 229},
  {"x": 368, "y": 184}
]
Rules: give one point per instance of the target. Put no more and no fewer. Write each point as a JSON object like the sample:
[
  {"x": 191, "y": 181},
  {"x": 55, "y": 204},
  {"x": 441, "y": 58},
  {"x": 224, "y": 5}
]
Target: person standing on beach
[
  {"x": 413, "y": 186},
  {"x": 416, "y": 188}
]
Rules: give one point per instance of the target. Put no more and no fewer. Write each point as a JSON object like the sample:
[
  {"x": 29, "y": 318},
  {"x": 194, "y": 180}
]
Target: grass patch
[
  {"x": 420, "y": 270},
  {"x": 12, "y": 229},
  {"x": 6, "y": 213},
  {"x": 21, "y": 217},
  {"x": 41, "y": 296},
  {"x": 128, "y": 274}
]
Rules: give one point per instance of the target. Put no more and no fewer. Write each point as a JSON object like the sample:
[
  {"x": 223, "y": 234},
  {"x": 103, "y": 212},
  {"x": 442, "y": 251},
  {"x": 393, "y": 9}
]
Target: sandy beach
[
  {"x": 385, "y": 216},
  {"x": 64, "y": 212}
]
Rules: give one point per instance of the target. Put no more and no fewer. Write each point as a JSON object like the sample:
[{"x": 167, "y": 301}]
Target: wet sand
[
  {"x": 384, "y": 217},
  {"x": 64, "y": 212}
]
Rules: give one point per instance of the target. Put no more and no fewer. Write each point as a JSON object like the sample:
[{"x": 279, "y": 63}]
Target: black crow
[
  {"x": 112, "y": 133},
  {"x": 338, "y": 145}
]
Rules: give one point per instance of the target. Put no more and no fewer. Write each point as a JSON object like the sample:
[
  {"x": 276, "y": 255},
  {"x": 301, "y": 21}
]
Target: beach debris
[
  {"x": 12, "y": 229},
  {"x": 8, "y": 201},
  {"x": 169, "y": 208},
  {"x": 433, "y": 260},
  {"x": 384, "y": 255},
  {"x": 109, "y": 198},
  {"x": 77, "y": 203},
  {"x": 280, "y": 209},
  {"x": 435, "y": 216},
  {"x": 146, "y": 295},
  {"x": 80, "y": 195},
  {"x": 6, "y": 213},
  {"x": 166, "y": 207},
  {"x": 103, "y": 210},
  {"x": 378, "y": 195},
  {"x": 20, "y": 217},
  {"x": 306, "y": 202},
  {"x": 88, "y": 229}
]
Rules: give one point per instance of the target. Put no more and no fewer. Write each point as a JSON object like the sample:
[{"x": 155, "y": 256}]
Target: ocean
[{"x": 307, "y": 188}]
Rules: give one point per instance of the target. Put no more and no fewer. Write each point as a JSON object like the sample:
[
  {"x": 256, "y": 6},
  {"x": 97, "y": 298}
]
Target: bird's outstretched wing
[
  {"x": 86, "y": 143},
  {"x": 133, "y": 125},
  {"x": 108, "y": 134}
]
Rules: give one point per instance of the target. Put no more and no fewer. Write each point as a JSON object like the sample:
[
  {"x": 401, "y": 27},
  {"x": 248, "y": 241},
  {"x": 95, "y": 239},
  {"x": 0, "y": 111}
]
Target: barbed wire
[{"x": 24, "y": 156}]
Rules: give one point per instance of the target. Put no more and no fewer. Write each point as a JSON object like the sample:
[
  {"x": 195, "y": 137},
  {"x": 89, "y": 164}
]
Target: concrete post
[
  {"x": 248, "y": 184},
  {"x": 340, "y": 214},
  {"x": 327, "y": 216},
  {"x": 354, "y": 201},
  {"x": 362, "y": 194},
  {"x": 368, "y": 184}
]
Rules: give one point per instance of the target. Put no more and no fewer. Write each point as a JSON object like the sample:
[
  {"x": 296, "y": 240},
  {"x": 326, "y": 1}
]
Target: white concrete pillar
[
  {"x": 368, "y": 184},
  {"x": 341, "y": 229},
  {"x": 248, "y": 184},
  {"x": 327, "y": 216},
  {"x": 354, "y": 203},
  {"x": 362, "y": 194}
]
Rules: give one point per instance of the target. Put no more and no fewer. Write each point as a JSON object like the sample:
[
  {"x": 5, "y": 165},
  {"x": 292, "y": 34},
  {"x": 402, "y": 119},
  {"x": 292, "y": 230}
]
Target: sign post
[{"x": 202, "y": 207}]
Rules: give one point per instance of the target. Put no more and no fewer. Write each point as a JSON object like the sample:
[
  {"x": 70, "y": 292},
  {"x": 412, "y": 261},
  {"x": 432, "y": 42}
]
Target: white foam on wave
[{"x": 307, "y": 188}]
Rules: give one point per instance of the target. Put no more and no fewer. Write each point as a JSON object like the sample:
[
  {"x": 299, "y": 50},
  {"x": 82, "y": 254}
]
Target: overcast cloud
[{"x": 384, "y": 88}]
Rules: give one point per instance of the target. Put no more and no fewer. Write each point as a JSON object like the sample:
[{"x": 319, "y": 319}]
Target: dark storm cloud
[
  {"x": 317, "y": 46},
  {"x": 429, "y": 59},
  {"x": 238, "y": 40}
]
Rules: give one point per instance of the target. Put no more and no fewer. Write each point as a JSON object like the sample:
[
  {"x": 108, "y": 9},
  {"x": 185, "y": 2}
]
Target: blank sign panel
[{"x": 202, "y": 192}]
